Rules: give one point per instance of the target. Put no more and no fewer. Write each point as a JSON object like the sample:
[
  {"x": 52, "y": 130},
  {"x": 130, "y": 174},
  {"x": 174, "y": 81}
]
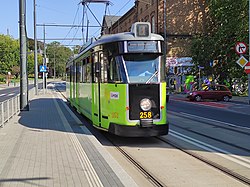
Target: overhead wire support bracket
[
  {"x": 95, "y": 1},
  {"x": 85, "y": 3}
]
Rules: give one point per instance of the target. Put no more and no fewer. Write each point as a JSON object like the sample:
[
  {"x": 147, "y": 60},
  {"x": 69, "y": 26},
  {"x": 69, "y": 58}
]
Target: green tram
[{"x": 118, "y": 82}]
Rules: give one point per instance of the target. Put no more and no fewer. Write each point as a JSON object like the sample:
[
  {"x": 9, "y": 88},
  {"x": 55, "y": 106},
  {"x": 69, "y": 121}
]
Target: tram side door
[
  {"x": 74, "y": 83},
  {"x": 96, "y": 116}
]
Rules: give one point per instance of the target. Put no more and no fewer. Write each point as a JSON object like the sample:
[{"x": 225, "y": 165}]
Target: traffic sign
[
  {"x": 242, "y": 61},
  {"x": 247, "y": 68},
  {"x": 240, "y": 48},
  {"x": 43, "y": 69}
]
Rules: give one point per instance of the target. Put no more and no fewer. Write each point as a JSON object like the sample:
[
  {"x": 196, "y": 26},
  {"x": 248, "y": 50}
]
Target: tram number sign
[
  {"x": 240, "y": 48},
  {"x": 146, "y": 115}
]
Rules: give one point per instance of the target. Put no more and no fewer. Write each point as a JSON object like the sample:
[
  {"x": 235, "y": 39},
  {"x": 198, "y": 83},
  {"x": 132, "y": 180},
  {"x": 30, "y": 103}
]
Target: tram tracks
[
  {"x": 215, "y": 165},
  {"x": 237, "y": 132},
  {"x": 147, "y": 174},
  {"x": 237, "y": 152},
  {"x": 155, "y": 180}
]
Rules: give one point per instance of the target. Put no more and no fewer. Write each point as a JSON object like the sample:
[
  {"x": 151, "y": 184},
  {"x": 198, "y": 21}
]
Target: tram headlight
[{"x": 145, "y": 104}]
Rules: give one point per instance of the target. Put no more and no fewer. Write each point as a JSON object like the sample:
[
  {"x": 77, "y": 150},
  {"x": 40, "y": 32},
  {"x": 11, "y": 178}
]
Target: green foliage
[
  {"x": 76, "y": 49},
  {"x": 9, "y": 54},
  {"x": 2, "y": 79},
  {"x": 228, "y": 25},
  {"x": 31, "y": 44},
  {"x": 58, "y": 55}
]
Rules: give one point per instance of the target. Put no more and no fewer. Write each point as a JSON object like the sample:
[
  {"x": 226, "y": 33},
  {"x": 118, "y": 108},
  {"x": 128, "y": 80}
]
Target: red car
[{"x": 216, "y": 92}]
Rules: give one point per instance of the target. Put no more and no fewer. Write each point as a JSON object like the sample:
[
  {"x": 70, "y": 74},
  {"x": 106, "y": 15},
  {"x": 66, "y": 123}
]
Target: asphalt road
[
  {"x": 230, "y": 113},
  {"x": 9, "y": 92}
]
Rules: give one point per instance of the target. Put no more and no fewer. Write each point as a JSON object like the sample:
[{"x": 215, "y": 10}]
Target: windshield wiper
[{"x": 155, "y": 73}]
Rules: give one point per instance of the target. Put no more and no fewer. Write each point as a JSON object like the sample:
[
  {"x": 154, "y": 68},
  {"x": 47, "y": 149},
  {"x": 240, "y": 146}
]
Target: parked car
[{"x": 216, "y": 92}]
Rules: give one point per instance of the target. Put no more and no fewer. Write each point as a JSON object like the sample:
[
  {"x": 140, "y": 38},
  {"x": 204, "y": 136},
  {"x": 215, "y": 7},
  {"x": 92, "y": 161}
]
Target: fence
[{"x": 11, "y": 107}]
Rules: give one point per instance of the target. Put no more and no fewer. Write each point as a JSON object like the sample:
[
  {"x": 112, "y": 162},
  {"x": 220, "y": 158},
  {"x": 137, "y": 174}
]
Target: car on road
[{"x": 215, "y": 92}]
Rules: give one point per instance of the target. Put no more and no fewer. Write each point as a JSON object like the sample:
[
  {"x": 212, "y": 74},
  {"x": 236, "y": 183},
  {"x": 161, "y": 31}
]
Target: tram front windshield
[{"x": 142, "y": 68}]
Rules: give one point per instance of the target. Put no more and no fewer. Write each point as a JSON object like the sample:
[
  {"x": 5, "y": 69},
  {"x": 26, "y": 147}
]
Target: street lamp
[{"x": 54, "y": 63}]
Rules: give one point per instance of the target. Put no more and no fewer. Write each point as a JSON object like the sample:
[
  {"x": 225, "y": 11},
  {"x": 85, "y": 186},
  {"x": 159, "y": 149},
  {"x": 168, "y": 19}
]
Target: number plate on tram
[{"x": 146, "y": 115}]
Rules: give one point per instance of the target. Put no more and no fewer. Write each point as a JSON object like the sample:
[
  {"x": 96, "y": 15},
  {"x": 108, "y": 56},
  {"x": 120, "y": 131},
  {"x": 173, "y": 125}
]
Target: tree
[
  {"x": 31, "y": 63},
  {"x": 228, "y": 24},
  {"x": 76, "y": 49},
  {"x": 9, "y": 54},
  {"x": 31, "y": 44},
  {"x": 59, "y": 56}
]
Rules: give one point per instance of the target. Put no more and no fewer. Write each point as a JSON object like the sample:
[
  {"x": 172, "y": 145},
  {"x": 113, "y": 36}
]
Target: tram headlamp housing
[{"x": 145, "y": 104}]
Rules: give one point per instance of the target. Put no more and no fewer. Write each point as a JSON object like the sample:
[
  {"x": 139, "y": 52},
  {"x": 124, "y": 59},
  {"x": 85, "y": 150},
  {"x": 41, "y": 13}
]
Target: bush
[{"x": 2, "y": 79}]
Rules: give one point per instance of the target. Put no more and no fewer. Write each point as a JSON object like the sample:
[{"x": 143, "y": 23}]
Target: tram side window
[
  {"x": 88, "y": 73},
  {"x": 95, "y": 60},
  {"x": 114, "y": 73},
  {"x": 71, "y": 73},
  {"x": 84, "y": 71},
  {"x": 74, "y": 72},
  {"x": 104, "y": 67},
  {"x": 68, "y": 74},
  {"x": 78, "y": 72}
]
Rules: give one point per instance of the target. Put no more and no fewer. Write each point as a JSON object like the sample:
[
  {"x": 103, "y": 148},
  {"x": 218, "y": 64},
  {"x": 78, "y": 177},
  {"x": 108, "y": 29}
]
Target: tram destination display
[{"x": 143, "y": 46}]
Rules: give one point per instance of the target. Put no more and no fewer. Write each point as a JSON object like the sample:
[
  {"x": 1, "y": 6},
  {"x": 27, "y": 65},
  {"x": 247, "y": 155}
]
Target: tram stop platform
[{"x": 49, "y": 146}]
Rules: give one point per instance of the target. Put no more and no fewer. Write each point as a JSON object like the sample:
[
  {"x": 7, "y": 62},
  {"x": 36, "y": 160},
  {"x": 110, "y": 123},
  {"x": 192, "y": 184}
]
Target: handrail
[{"x": 11, "y": 107}]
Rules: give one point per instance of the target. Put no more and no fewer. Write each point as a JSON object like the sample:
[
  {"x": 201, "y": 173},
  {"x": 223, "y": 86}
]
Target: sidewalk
[{"x": 46, "y": 146}]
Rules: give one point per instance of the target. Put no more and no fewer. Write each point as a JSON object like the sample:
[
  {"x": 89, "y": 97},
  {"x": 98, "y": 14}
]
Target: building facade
[{"x": 184, "y": 18}]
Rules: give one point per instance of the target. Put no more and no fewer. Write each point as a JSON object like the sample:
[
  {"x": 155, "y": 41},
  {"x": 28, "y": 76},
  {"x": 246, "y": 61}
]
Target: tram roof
[{"x": 126, "y": 36}]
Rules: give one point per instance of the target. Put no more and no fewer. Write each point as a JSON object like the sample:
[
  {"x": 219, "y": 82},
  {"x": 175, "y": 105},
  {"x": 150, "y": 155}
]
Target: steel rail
[
  {"x": 223, "y": 169},
  {"x": 144, "y": 171}
]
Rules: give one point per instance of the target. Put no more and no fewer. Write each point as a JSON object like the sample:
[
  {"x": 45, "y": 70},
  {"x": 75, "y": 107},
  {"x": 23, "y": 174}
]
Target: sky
[{"x": 58, "y": 12}]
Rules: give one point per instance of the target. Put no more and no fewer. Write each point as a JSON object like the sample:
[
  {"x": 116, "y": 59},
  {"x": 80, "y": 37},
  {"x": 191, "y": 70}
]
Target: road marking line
[
  {"x": 217, "y": 121},
  {"x": 210, "y": 148}
]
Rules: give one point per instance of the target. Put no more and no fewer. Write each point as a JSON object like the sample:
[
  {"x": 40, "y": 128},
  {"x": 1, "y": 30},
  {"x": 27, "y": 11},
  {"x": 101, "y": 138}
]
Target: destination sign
[{"x": 143, "y": 46}]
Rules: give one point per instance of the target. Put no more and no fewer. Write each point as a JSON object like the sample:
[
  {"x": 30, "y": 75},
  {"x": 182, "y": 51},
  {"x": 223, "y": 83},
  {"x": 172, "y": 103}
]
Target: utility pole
[
  {"x": 35, "y": 53},
  {"x": 44, "y": 60},
  {"x": 54, "y": 63},
  {"x": 23, "y": 58}
]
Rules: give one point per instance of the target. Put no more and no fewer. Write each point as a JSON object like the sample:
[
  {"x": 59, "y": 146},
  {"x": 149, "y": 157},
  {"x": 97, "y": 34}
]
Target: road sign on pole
[
  {"x": 240, "y": 48},
  {"x": 43, "y": 69},
  {"x": 242, "y": 61},
  {"x": 247, "y": 68}
]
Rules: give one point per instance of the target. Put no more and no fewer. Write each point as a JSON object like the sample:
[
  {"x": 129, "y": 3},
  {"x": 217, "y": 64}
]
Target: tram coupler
[{"x": 146, "y": 123}]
